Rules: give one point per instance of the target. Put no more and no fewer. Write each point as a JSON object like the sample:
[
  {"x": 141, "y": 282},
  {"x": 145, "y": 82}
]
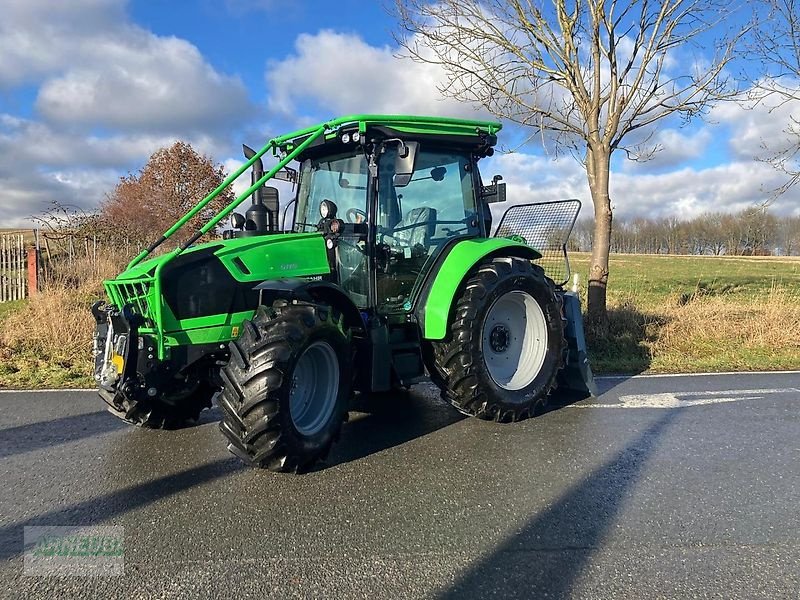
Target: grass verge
[
  {"x": 680, "y": 314},
  {"x": 46, "y": 341},
  {"x": 666, "y": 314}
]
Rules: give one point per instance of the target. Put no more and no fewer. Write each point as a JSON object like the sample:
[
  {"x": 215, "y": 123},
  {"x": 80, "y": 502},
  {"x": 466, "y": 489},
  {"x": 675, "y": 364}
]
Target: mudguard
[
  {"x": 438, "y": 292},
  {"x": 296, "y": 288}
]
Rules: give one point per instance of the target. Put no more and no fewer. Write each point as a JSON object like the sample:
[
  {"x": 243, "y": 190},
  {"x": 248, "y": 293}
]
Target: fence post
[
  {"x": 21, "y": 267},
  {"x": 33, "y": 271},
  {"x": 3, "y": 268}
]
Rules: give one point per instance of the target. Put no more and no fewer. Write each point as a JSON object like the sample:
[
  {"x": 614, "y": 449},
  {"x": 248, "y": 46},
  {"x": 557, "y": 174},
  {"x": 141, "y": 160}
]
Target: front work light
[{"x": 327, "y": 209}]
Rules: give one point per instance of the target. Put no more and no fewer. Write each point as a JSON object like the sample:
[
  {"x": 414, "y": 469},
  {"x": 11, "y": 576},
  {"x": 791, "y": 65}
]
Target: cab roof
[{"x": 445, "y": 129}]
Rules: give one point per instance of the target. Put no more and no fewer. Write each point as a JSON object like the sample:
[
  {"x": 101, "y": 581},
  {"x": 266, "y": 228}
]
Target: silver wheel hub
[
  {"x": 514, "y": 340},
  {"x": 314, "y": 388}
]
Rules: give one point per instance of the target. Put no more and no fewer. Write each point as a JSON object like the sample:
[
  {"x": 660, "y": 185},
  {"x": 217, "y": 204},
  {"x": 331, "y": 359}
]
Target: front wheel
[
  {"x": 286, "y": 386},
  {"x": 505, "y": 345}
]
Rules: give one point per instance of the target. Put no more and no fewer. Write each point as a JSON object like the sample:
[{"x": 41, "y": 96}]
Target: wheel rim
[
  {"x": 315, "y": 386},
  {"x": 514, "y": 340}
]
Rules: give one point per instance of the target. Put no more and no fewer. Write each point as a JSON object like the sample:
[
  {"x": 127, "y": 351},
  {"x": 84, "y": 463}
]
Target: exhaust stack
[{"x": 262, "y": 216}]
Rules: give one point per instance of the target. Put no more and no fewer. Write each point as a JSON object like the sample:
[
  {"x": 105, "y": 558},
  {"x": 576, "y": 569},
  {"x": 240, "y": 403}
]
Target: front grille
[{"x": 134, "y": 292}]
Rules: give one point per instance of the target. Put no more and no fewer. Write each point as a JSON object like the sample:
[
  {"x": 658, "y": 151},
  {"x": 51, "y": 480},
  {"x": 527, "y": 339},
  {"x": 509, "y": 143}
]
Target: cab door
[{"x": 414, "y": 221}]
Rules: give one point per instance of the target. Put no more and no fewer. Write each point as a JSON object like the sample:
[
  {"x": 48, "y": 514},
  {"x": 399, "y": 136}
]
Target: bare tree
[
  {"x": 789, "y": 236},
  {"x": 777, "y": 45},
  {"x": 589, "y": 74}
]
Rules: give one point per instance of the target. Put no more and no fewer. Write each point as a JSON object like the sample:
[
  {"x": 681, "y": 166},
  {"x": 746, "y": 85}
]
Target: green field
[
  {"x": 652, "y": 278},
  {"x": 698, "y": 313},
  {"x": 667, "y": 314}
]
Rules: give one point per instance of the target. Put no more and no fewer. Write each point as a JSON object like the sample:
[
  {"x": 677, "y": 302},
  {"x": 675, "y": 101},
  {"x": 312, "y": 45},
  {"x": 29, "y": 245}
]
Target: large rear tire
[
  {"x": 505, "y": 346},
  {"x": 286, "y": 386}
]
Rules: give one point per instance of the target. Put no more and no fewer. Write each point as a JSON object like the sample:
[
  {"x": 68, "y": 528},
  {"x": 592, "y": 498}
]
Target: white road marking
[{"x": 684, "y": 399}]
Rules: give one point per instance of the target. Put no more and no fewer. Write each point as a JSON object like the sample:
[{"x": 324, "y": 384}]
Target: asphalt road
[{"x": 674, "y": 487}]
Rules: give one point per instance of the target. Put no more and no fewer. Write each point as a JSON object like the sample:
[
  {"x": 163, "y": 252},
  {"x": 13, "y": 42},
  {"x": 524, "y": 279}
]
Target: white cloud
[
  {"x": 684, "y": 193},
  {"x": 151, "y": 83},
  {"x": 95, "y": 70},
  {"x": 40, "y": 37},
  {"x": 28, "y": 192},
  {"x": 673, "y": 148},
  {"x": 341, "y": 74},
  {"x": 689, "y": 192},
  {"x": 40, "y": 164},
  {"x": 28, "y": 141},
  {"x": 758, "y": 128},
  {"x": 99, "y": 69}
]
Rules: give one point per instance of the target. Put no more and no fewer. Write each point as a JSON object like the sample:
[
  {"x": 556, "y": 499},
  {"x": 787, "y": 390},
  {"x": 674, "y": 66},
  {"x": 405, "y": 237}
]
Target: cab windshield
[{"x": 340, "y": 178}]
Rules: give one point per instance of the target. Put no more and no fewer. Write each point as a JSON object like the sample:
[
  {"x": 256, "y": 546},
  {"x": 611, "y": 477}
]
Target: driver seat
[{"x": 417, "y": 227}]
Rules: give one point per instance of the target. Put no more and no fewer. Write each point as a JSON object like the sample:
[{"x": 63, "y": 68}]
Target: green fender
[{"x": 438, "y": 295}]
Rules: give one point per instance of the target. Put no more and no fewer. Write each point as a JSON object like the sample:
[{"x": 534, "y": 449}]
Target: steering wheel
[{"x": 353, "y": 213}]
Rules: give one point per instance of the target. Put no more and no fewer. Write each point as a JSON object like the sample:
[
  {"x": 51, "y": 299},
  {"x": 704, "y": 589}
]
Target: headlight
[
  {"x": 327, "y": 209},
  {"x": 345, "y": 138}
]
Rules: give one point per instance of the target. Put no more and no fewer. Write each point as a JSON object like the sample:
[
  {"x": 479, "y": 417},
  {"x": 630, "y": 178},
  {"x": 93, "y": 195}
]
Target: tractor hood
[
  {"x": 250, "y": 259},
  {"x": 214, "y": 283}
]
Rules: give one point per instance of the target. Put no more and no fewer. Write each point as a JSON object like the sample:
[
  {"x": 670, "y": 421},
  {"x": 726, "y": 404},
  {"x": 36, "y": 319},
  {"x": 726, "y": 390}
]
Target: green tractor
[{"x": 388, "y": 273}]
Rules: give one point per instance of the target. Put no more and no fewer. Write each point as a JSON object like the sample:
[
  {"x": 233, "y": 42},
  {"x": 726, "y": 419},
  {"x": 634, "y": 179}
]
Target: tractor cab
[{"x": 389, "y": 207}]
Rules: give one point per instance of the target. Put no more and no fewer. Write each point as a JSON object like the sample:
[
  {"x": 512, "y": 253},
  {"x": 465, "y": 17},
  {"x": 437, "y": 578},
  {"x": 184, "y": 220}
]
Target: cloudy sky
[{"x": 89, "y": 88}]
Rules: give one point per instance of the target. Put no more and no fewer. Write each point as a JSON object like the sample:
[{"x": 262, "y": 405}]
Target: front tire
[
  {"x": 286, "y": 386},
  {"x": 506, "y": 342}
]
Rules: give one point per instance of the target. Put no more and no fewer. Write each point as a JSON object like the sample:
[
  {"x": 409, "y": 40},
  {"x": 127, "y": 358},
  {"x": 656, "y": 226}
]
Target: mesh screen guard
[{"x": 545, "y": 226}]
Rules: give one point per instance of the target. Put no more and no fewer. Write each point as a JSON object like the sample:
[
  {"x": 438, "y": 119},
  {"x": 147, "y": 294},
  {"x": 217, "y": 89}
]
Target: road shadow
[
  {"x": 99, "y": 510},
  {"x": 545, "y": 558},
  {"x": 62, "y": 430},
  {"x": 382, "y": 421},
  {"x": 46, "y": 434}
]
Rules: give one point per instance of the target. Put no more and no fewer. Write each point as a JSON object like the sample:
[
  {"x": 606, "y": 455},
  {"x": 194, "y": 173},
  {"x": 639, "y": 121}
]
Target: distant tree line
[{"x": 750, "y": 232}]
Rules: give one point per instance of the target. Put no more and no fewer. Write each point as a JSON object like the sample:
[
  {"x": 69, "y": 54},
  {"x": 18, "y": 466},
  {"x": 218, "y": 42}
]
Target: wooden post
[
  {"x": 21, "y": 262},
  {"x": 3, "y": 268},
  {"x": 17, "y": 269},
  {"x": 33, "y": 271}
]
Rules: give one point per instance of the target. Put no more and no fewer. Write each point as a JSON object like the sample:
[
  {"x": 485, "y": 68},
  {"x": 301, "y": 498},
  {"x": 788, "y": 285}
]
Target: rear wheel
[
  {"x": 286, "y": 386},
  {"x": 505, "y": 345}
]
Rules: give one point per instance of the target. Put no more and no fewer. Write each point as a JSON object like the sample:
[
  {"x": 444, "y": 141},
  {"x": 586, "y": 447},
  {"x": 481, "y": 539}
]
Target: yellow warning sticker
[{"x": 235, "y": 331}]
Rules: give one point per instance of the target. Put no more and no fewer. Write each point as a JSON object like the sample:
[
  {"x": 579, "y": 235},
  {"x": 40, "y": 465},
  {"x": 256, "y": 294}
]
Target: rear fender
[{"x": 438, "y": 294}]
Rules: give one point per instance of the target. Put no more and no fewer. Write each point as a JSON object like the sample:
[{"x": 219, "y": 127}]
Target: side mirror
[
  {"x": 237, "y": 220},
  {"x": 404, "y": 163},
  {"x": 495, "y": 192}
]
